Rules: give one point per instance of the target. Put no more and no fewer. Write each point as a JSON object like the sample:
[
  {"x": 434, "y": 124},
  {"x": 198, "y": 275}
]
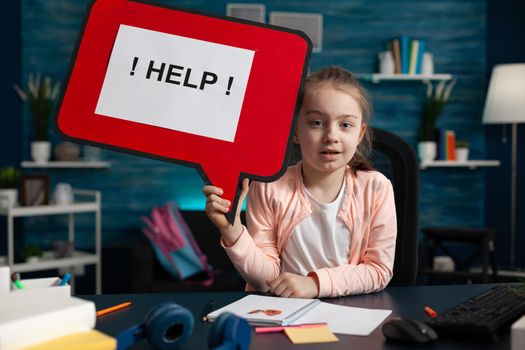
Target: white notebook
[
  {"x": 340, "y": 319},
  {"x": 261, "y": 310}
]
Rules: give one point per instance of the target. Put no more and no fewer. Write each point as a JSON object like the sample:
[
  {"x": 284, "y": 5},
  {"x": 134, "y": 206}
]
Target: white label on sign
[{"x": 175, "y": 82}]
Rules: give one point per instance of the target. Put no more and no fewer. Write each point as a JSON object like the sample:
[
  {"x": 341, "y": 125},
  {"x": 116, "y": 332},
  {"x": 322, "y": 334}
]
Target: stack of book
[
  {"x": 43, "y": 316},
  {"x": 408, "y": 54},
  {"x": 446, "y": 149}
]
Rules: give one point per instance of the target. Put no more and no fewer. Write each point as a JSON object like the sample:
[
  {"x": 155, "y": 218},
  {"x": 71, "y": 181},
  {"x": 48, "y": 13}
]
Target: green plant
[
  {"x": 9, "y": 177},
  {"x": 29, "y": 251},
  {"x": 462, "y": 144},
  {"x": 435, "y": 101},
  {"x": 41, "y": 94}
]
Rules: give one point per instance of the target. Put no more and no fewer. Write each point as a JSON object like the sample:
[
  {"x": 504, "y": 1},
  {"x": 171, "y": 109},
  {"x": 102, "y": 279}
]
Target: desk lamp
[{"x": 505, "y": 104}]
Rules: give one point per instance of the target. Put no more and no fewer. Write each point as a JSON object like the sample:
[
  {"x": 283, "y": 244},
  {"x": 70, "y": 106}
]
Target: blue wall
[{"x": 354, "y": 32}]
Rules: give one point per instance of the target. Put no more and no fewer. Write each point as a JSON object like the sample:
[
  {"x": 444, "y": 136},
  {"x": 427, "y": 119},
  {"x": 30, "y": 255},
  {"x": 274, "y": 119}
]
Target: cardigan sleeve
[{"x": 255, "y": 254}]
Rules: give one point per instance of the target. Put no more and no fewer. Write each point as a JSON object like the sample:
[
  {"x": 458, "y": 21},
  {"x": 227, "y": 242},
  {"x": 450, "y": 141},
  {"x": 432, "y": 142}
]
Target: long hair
[{"x": 345, "y": 81}]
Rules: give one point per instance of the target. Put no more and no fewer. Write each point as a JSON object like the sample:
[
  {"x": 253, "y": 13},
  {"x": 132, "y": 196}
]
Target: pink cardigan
[{"x": 274, "y": 209}]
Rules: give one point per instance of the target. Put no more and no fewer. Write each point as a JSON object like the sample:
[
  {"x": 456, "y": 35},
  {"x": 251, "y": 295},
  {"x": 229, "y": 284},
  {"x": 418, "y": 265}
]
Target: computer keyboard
[{"x": 484, "y": 314}]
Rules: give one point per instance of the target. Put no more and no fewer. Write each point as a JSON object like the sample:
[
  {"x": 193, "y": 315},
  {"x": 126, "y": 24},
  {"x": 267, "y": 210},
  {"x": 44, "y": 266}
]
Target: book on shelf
[
  {"x": 396, "y": 53},
  {"x": 403, "y": 40},
  {"x": 446, "y": 149},
  {"x": 420, "y": 52},
  {"x": 451, "y": 145},
  {"x": 414, "y": 48},
  {"x": 408, "y": 54},
  {"x": 44, "y": 314}
]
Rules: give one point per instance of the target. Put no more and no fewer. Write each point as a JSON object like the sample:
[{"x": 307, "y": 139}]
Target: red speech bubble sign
[{"x": 214, "y": 93}]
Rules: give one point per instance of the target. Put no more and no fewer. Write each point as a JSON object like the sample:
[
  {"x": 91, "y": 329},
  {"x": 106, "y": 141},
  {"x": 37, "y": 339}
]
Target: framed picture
[
  {"x": 310, "y": 23},
  {"x": 34, "y": 190},
  {"x": 251, "y": 12}
]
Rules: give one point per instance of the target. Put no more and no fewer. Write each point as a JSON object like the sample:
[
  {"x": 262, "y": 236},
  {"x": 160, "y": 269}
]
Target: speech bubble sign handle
[{"x": 230, "y": 181}]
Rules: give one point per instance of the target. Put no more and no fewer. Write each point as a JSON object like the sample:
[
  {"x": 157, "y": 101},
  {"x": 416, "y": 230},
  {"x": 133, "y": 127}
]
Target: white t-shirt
[{"x": 319, "y": 240}]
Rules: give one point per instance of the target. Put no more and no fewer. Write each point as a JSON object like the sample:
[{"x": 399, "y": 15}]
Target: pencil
[
  {"x": 206, "y": 310},
  {"x": 113, "y": 308}
]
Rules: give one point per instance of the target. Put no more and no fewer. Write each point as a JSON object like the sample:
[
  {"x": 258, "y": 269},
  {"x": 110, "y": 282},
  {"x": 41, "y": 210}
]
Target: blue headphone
[
  {"x": 168, "y": 326},
  {"x": 229, "y": 332}
]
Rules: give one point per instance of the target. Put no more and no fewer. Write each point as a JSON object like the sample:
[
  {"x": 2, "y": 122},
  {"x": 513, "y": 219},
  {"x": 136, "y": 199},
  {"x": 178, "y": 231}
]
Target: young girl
[{"x": 327, "y": 227}]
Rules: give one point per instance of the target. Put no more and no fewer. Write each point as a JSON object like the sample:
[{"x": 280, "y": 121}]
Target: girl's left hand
[{"x": 290, "y": 285}]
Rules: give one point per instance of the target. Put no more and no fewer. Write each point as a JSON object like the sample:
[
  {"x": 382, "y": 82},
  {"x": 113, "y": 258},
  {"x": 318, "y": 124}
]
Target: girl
[{"x": 327, "y": 227}]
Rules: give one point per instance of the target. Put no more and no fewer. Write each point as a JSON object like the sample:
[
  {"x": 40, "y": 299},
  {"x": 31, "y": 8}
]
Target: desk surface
[{"x": 403, "y": 301}]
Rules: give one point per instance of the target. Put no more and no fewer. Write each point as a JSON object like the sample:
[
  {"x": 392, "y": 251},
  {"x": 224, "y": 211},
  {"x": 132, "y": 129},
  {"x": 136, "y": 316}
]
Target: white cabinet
[{"x": 85, "y": 201}]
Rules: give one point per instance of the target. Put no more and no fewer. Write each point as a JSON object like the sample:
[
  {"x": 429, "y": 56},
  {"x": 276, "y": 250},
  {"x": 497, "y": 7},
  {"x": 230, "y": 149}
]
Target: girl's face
[{"x": 329, "y": 128}]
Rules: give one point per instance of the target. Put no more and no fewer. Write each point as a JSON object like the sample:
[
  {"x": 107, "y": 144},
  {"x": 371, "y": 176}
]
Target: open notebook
[{"x": 268, "y": 311}]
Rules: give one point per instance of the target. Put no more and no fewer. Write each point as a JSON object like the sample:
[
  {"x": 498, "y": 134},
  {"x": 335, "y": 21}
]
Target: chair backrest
[
  {"x": 401, "y": 167},
  {"x": 393, "y": 157}
]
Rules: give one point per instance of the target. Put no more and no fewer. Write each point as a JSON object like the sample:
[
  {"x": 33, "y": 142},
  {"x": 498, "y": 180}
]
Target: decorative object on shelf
[
  {"x": 63, "y": 249},
  {"x": 40, "y": 95},
  {"x": 386, "y": 62},
  {"x": 462, "y": 150},
  {"x": 427, "y": 150},
  {"x": 435, "y": 101},
  {"x": 91, "y": 153},
  {"x": 31, "y": 253},
  {"x": 427, "y": 66},
  {"x": 505, "y": 104},
  {"x": 63, "y": 194},
  {"x": 34, "y": 190},
  {"x": 67, "y": 151},
  {"x": 9, "y": 183}
]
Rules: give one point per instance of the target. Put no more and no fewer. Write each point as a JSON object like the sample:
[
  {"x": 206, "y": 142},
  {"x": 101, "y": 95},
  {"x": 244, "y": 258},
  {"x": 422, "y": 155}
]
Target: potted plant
[
  {"x": 31, "y": 253},
  {"x": 462, "y": 150},
  {"x": 41, "y": 94},
  {"x": 9, "y": 183},
  {"x": 435, "y": 101}
]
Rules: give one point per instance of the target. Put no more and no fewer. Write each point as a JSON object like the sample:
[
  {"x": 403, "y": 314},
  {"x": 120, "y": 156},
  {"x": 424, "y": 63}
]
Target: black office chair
[
  {"x": 397, "y": 160},
  {"x": 393, "y": 157}
]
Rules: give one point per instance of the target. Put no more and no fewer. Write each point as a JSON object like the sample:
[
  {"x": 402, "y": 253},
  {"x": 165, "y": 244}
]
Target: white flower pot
[
  {"x": 427, "y": 151},
  {"x": 462, "y": 154},
  {"x": 40, "y": 151},
  {"x": 8, "y": 197}
]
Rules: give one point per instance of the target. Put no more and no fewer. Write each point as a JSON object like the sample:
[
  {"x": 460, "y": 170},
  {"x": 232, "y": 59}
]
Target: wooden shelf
[
  {"x": 377, "y": 77},
  {"x": 48, "y": 262},
  {"x": 471, "y": 164},
  {"x": 81, "y": 164}
]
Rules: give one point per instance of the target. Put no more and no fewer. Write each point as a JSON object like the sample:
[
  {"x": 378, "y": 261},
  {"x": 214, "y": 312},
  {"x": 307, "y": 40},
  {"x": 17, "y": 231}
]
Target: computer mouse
[{"x": 408, "y": 331}]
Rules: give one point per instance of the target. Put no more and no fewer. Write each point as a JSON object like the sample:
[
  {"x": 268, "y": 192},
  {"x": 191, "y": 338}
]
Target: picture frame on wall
[
  {"x": 34, "y": 190},
  {"x": 250, "y": 12},
  {"x": 309, "y": 23}
]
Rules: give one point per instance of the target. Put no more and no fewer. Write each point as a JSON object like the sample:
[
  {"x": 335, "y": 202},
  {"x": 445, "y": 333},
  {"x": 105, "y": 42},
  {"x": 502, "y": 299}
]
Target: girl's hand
[
  {"x": 290, "y": 285},
  {"x": 217, "y": 207}
]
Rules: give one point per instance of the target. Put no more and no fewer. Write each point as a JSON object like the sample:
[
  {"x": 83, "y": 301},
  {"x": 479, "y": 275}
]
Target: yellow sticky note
[
  {"x": 91, "y": 340},
  {"x": 311, "y": 335}
]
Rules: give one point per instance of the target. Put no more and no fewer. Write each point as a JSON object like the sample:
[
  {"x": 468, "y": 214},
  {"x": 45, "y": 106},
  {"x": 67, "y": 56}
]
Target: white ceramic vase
[
  {"x": 427, "y": 151},
  {"x": 462, "y": 154},
  {"x": 40, "y": 151},
  {"x": 8, "y": 197}
]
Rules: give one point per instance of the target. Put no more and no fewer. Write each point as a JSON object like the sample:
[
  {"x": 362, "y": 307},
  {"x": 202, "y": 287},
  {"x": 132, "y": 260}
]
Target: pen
[
  {"x": 281, "y": 328},
  {"x": 430, "y": 312},
  {"x": 206, "y": 310},
  {"x": 65, "y": 279},
  {"x": 16, "y": 280},
  {"x": 113, "y": 308}
]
